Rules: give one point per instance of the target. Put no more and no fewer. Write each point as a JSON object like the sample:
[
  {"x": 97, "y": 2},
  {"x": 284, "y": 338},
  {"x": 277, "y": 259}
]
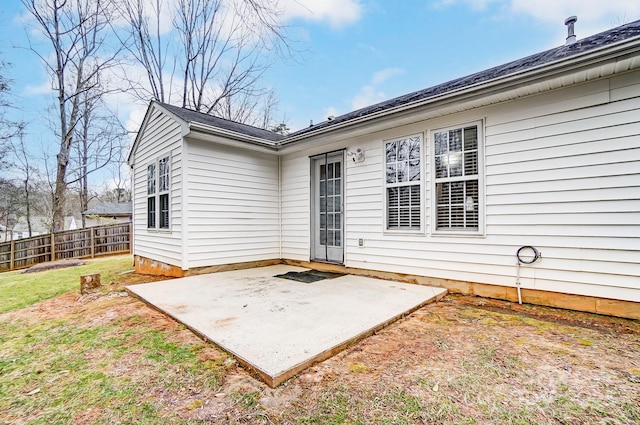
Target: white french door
[{"x": 327, "y": 208}]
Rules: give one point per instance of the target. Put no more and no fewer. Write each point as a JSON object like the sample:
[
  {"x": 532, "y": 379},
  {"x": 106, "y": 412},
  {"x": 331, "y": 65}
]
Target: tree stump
[{"x": 89, "y": 282}]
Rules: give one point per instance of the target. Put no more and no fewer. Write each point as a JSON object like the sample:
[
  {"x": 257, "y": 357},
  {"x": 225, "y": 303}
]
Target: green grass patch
[
  {"x": 20, "y": 290},
  {"x": 59, "y": 372}
]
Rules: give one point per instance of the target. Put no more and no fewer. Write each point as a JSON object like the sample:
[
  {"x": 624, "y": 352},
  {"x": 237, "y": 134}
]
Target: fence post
[
  {"x": 130, "y": 237},
  {"x": 53, "y": 246},
  {"x": 12, "y": 255},
  {"x": 93, "y": 242}
]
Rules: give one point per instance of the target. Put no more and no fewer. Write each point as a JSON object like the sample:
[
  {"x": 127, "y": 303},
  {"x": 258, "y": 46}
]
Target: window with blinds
[
  {"x": 457, "y": 177},
  {"x": 403, "y": 183},
  {"x": 158, "y": 193},
  {"x": 151, "y": 195},
  {"x": 163, "y": 192}
]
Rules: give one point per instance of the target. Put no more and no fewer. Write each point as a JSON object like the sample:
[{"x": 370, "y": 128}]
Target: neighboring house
[
  {"x": 40, "y": 225},
  {"x": 108, "y": 213},
  {"x": 70, "y": 223},
  {"x": 442, "y": 186},
  {"x": 5, "y": 233}
]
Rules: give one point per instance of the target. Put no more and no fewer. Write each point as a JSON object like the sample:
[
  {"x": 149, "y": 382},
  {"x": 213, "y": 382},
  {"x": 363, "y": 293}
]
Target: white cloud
[
  {"x": 337, "y": 13},
  {"x": 331, "y": 111},
  {"x": 368, "y": 95},
  {"x": 40, "y": 89},
  {"x": 593, "y": 15},
  {"x": 383, "y": 75}
]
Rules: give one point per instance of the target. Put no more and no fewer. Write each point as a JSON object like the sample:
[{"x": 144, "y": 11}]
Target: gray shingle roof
[
  {"x": 200, "y": 117},
  {"x": 581, "y": 46},
  {"x": 110, "y": 209},
  {"x": 585, "y": 45}
]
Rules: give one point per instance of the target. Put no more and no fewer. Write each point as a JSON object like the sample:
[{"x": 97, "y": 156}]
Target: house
[
  {"x": 108, "y": 213},
  {"x": 6, "y": 234},
  {"x": 40, "y": 225},
  {"x": 520, "y": 180}
]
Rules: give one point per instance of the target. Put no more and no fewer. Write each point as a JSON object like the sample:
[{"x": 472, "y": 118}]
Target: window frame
[
  {"x": 479, "y": 177},
  {"x": 161, "y": 191},
  {"x": 420, "y": 184}
]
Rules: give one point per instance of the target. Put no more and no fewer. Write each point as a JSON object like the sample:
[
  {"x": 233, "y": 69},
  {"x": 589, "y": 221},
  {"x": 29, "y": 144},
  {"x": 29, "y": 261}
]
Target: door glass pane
[{"x": 338, "y": 166}]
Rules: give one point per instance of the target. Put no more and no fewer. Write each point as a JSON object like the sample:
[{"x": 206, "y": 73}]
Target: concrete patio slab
[{"x": 278, "y": 327}]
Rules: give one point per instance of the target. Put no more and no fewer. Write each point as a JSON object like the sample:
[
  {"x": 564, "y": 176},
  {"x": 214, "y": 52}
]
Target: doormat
[{"x": 309, "y": 276}]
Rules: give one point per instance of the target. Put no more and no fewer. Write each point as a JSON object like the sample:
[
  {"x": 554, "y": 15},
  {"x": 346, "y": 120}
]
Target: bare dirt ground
[{"x": 461, "y": 360}]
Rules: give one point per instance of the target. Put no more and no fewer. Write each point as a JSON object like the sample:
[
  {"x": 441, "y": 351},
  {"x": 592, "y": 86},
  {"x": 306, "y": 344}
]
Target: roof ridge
[
  {"x": 230, "y": 124},
  {"x": 528, "y": 62}
]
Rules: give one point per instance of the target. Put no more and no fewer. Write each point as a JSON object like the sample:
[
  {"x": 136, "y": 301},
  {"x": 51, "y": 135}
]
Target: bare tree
[
  {"x": 225, "y": 48},
  {"x": 147, "y": 46},
  {"x": 24, "y": 164},
  {"x": 8, "y": 128},
  {"x": 99, "y": 139},
  {"x": 77, "y": 31}
]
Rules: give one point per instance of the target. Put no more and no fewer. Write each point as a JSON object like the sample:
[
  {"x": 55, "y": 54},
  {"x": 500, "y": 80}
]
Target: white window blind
[
  {"x": 403, "y": 183},
  {"x": 457, "y": 176}
]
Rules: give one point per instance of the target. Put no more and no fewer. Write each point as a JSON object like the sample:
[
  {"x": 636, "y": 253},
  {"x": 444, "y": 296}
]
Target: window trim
[
  {"x": 158, "y": 193},
  {"x": 433, "y": 203},
  {"x": 420, "y": 184}
]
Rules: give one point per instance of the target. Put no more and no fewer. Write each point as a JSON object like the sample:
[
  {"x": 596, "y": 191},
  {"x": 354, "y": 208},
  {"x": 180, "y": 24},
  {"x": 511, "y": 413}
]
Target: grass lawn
[
  {"x": 19, "y": 289},
  {"x": 110, "y": 359}
]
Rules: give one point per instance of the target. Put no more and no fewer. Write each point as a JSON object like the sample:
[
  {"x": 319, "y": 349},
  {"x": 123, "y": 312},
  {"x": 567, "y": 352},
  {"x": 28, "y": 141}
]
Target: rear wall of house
[
  {"x": 561, "y": 173},
  {"x": 233, "y": 210}
]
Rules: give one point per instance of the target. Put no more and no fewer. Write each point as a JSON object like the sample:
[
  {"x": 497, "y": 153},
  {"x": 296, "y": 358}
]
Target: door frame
[{"x": 313, "y": 212}]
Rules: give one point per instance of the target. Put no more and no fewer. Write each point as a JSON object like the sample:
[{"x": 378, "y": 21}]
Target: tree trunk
[
  {"x": 59, "y": 195},
  {"x": 28, "y": 204}
]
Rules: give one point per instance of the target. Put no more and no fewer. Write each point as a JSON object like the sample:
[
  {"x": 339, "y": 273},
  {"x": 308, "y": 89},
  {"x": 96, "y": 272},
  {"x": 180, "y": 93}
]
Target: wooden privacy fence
[{"x": 83, "y": 243}]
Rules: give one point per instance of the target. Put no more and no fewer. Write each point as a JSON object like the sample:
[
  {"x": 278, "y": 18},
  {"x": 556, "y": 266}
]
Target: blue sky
[{"x": 357, "y": 52}]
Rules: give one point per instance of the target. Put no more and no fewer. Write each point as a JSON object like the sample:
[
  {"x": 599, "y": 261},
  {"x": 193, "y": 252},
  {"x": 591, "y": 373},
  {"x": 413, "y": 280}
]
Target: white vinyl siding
[
  {"x": 561, "y": 172},
  {"x": 558, "y": 169},
  {"x": 233, "y": 205},
  {"x": 296, "y": 207},
  {"x": 161, "y": 137}
]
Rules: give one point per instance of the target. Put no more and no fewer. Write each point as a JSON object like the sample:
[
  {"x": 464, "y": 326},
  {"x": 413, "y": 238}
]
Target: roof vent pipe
[{"x": 571, "y": 35}]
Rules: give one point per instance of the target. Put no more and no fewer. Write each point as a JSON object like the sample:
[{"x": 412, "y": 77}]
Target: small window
[
  {"x": 163, "y": 190},
  {"x": 403, "y": 183},
  {"x": 151, "y": 195},
  {"x": 457, "y": 178},
  {"x": 158, "y": 188},
  {"x": 151, "y": 212},
  {"x": 164, "y": 211}
]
